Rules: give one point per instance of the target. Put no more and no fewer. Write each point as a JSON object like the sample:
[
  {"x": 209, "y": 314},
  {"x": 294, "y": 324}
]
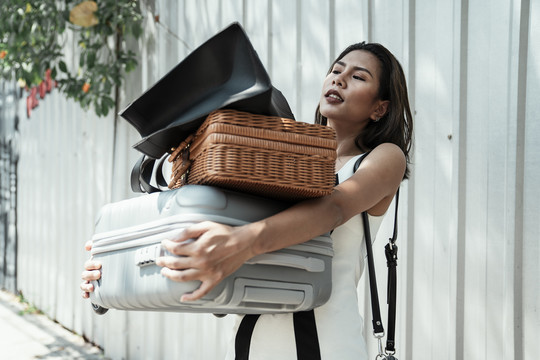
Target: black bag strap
[
  {"x": 305, "y": 335},
  {"x": 243, "y": 336},
  {"x": 391, "y": 250},
  {"x": 141, "y": 174},
  {"x": 391, "y": 261}
]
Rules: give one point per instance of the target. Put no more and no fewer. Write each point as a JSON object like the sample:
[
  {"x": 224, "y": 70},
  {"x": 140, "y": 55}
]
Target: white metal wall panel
[
  {"x": 349, "y": 24},
  {"x": 313, "y": 54},
  {"x": 257, "y": 25},
  {"x": 530, "y": 272},
  {"x": 487, "y": 259},
  {"x": 469, "y": 253},
  {"x": 432, "y": 179},
  {"x": 284, "y": 65}
]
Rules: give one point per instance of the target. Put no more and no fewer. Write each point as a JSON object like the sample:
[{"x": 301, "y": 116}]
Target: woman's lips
[{"x": 333, "y": 97}]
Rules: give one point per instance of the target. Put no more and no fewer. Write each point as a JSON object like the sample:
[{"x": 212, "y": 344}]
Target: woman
[{"x": 364, "y": 98}]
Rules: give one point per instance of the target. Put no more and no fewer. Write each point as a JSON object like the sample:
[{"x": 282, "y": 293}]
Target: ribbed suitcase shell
[{"x": 127, "y": 241}]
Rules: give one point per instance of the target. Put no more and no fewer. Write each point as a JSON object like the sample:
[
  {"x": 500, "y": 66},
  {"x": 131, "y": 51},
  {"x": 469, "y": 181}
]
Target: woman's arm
[{"x": 220, "y": 250}]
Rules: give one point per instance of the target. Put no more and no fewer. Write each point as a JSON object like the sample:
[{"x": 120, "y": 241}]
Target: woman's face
[{"x": 350, "y": 91}]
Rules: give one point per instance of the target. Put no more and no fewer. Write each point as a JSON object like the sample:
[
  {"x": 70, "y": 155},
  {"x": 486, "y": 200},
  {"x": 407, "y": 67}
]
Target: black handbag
[
  {"x": 391, "y": 261},
  {"x": 224, "y": 72}
]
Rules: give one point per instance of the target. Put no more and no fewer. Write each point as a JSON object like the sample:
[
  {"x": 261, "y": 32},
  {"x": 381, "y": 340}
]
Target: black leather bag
[{"x": 224, "y": 72}]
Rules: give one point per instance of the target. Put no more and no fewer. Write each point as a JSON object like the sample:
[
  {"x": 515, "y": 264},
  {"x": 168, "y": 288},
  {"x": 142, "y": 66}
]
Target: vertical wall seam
[
  {"x": 244, "y": 12},
  {"x": 299, "y": 58},
  {"x": 462, "y": 180},
  {"x": 409, "y": 291},
  {"x": 220, "y": 12},
  {"x": 369, "y": 20},
  {"x": 270, "y": 36},
  {"x": 332, "y": 30},
  {"x": 520, "y": 175}
]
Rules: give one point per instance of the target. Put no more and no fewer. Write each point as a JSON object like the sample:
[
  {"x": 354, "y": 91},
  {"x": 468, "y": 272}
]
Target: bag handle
[
  {"x": 142, "y": 173},
  {"x": 391, "y": 261}
]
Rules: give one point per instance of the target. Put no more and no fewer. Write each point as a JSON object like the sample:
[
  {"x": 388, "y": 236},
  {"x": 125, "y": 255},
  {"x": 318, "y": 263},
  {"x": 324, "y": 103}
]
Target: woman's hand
[
  {"x": 92, "y": 272},
  {"x": 218, "y": 251}
]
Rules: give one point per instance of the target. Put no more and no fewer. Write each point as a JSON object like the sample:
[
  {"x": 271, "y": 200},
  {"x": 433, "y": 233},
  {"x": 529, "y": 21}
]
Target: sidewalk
[{"x": 33, "y": 336}]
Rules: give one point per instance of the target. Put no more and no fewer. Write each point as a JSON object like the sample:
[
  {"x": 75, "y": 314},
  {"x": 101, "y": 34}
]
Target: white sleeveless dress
[{"x": 339, "y": 323}]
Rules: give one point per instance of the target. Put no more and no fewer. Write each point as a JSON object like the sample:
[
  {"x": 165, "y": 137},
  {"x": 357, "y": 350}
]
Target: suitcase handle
[{"x": 289, "y": 260}]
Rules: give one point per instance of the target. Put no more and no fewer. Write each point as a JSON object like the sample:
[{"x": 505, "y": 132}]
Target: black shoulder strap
[{"x": 391, "y": 261}]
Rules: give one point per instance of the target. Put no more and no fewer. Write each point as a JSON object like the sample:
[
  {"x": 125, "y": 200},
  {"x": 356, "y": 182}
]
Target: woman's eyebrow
[{"x": 359, "y": 68}]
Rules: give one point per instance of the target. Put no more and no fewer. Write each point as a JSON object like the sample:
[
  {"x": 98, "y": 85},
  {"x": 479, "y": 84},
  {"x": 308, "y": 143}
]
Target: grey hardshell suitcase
[{"x": 127, "y": 241}]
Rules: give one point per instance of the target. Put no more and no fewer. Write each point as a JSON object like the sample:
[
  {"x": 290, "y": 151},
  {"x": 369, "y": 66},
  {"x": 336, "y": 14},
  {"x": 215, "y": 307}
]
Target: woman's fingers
[
  {"x": 178, "y": 244},
  {"x": 92, "y": 272},
  {"x": 199, "y": 293},
  {"x": 177, "y": 275},
  {"x": 87, "y": 276},
  {"x": 207, "y": 283},
  {"x": 214, "y": 254},
  {"x": 176, "y": 247},
  {"x": 196, "y": 230},
  {"x": 92, "y": 265},
  {"x": 88, "y": 245},
  {"x": 91, "y": 275},
  {"x": 87, "y": 287},
  {"x": 173, "y": 262}
]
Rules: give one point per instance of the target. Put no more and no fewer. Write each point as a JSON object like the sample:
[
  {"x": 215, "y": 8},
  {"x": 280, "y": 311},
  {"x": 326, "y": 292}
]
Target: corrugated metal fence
[{"x": 469, "y": 257}]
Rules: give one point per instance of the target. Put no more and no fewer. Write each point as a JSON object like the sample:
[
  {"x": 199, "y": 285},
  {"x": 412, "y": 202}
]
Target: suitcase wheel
[{"x": 99, "y": 309}]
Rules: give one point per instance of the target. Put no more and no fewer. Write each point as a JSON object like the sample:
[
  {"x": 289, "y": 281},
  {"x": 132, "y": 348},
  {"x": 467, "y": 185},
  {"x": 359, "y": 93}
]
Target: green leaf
[
  {"x": 36, "y": 78},
  {"x": 81, "y": 59},
  {"x": 91, "y": 59},
  {"x": 62, "y": 66},
  {"x": 136, "y": 31},
  {"x": 109, "y": 102},
  {"x": 33, "y": 45},
  {"x": 104, "y": 109}
]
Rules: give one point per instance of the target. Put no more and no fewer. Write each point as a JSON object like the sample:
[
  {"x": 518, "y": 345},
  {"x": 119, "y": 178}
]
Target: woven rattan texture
[
  {"x": 244, "y": 119},
  {"x": 268, "y": 156}
]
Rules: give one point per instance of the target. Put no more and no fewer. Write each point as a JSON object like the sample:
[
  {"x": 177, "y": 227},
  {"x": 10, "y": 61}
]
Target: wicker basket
[{"x": 269, "y": 156}]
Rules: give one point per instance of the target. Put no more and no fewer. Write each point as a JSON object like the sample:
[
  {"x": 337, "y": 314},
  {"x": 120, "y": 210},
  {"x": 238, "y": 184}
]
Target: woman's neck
[{"x": 346, "y": 142}]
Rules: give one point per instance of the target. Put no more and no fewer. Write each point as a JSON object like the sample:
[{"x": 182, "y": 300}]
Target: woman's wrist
[{"x": 252, "y": 233}]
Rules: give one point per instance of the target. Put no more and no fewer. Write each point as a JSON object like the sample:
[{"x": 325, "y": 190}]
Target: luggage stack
[{"x": 242, "y": 158}]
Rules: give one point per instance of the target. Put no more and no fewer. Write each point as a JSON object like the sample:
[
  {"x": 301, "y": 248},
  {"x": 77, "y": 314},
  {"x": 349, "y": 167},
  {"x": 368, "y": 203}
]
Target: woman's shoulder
[
  {"x": 372, "y": 186},
  {"x": 387, "y": 154},
  {"x": 388, "y": 147},
  {"x": 386, "y": 163}
]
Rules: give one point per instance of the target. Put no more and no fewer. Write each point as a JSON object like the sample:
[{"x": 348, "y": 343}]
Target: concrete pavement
[{"x": 34, "y": 336}]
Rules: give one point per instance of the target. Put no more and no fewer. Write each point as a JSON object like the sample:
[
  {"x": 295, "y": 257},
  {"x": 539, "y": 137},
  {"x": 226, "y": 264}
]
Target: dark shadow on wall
[{"x": 8, "y": 185}]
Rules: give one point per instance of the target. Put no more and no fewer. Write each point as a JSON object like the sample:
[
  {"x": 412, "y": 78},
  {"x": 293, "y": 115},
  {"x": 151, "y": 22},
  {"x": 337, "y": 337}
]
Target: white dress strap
[{"x": 347, "y": 170}]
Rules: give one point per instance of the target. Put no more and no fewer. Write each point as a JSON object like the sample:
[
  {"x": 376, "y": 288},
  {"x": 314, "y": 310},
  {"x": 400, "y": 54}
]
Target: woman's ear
[{"x": 380, "y": 110}]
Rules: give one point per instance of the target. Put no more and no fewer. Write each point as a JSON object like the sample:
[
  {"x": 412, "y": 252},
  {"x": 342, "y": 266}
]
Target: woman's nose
[{"x": 338, "y": 81}]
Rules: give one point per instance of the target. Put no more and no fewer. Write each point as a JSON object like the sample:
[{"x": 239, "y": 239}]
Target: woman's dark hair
[{"x": 396, "y": 125}]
